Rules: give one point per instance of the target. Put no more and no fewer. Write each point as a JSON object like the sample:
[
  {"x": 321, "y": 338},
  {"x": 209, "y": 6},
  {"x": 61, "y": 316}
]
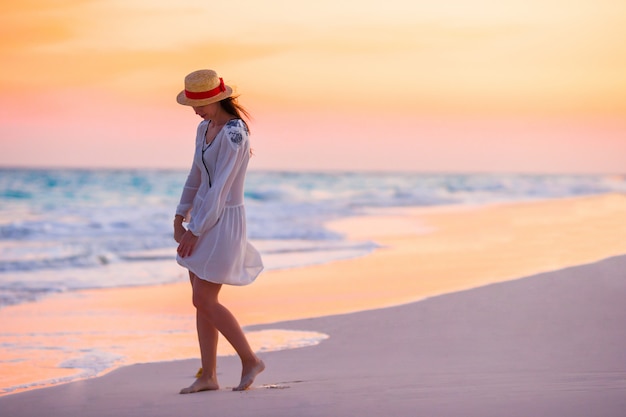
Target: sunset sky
[{"x": 451, "y": 86}]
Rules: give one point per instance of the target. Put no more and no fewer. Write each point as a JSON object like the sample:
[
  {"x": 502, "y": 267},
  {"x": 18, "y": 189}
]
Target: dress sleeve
[
  {"x": 232, "y": 153},
  {"x": 189, "y": 192},
  {"x": 193, "y": 181}
]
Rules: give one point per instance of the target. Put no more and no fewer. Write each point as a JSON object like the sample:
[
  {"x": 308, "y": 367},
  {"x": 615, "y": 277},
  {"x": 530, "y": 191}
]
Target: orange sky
[{"x": 487, "y": 85}]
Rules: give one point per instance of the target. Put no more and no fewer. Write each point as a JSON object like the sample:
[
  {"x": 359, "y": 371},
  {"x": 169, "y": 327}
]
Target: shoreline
[
  {"x": 488, "y": 244},
  {"x": 538, "y": 345}
]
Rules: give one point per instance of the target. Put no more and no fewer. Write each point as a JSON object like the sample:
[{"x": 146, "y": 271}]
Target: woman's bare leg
[
  {"x": 205, "y": 298},
  {"x": 207, "y": 338}
]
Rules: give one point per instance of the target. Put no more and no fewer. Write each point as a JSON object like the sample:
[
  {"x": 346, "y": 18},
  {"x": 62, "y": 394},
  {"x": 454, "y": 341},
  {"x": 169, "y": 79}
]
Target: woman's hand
[
  {"x": 179, "y": 229},
  {"x": 187, "y": 244}
]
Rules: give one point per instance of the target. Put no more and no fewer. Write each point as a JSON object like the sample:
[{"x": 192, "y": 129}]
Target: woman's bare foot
[
  {"x": 201, "y": 384},
  {"x": 248, "y": 373}
]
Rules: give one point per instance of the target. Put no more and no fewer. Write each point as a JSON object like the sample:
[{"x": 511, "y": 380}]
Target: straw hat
[{"x": 203, "y": 87}]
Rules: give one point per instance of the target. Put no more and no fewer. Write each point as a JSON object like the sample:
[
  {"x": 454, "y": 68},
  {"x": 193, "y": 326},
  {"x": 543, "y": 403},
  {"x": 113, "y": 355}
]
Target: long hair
[{"x": 231, "y": 106}]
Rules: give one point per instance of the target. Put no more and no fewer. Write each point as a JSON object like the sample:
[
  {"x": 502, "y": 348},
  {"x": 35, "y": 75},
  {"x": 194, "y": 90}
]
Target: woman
[{"x": 213, "y": 246}]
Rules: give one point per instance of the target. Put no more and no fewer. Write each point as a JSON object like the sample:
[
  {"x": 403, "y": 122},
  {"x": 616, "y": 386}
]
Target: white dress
[{"x": 212, "y": 203}]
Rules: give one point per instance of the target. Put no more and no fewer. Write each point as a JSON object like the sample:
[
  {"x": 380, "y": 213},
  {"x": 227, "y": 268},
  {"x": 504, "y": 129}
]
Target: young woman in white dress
[{"x": 213, "y": 246}]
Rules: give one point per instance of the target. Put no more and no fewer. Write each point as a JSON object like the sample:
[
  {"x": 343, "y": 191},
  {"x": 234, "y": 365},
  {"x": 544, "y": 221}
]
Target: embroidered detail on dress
[
  {"x": 236, "y": 130},
  {"x": 235, "y": 137}
]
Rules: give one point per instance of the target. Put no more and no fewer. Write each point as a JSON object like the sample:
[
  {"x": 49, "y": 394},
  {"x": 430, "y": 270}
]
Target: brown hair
[{"x": 231, "y": 106}]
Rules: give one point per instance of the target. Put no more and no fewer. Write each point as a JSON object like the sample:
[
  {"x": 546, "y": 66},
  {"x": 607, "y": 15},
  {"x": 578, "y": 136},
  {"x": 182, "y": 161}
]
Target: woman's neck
[{"x": 221, "y": 118}]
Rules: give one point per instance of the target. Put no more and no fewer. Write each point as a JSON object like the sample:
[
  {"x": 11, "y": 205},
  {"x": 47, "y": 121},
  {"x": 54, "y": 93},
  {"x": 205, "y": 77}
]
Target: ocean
[
  {"x": 69, "y": 229},
  {"x": 66, "y": 230}
]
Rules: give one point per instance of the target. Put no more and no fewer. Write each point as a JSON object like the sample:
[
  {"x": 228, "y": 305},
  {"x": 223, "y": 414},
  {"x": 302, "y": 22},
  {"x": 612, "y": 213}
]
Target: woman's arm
[{"x": 179, "y": 229}]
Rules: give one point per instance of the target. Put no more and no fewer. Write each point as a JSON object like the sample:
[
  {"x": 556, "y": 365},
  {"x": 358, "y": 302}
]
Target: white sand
[{"x": 547, "y": 345}]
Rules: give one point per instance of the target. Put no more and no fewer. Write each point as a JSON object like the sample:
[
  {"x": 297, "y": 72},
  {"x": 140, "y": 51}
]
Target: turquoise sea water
[{"x": 64, "y": 230}]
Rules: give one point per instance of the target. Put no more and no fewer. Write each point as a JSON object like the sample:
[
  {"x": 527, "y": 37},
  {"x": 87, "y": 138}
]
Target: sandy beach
[{"x": 512, "y": 309}]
